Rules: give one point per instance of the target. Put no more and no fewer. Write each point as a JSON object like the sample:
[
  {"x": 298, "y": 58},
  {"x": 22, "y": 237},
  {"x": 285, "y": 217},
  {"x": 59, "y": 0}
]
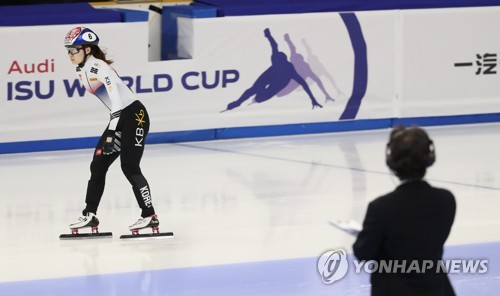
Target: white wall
[
  {"x": 433, "y": 41},
  {"x": 411, "y": 56}
]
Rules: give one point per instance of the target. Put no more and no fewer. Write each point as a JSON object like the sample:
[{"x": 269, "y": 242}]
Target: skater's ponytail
[{"x": 98, "y": 53}]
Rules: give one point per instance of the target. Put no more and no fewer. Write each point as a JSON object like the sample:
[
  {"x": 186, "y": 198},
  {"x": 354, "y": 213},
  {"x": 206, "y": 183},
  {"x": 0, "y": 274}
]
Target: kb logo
[{"x": 332, "y": 266}]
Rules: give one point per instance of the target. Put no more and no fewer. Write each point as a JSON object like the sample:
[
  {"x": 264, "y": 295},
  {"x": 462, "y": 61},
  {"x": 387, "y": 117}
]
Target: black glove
[{"x": 109, "y": 142}]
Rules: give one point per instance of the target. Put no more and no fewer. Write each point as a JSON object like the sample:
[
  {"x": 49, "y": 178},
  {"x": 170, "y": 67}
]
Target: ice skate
[
  {"x": 88, "y": 220},
  {"x": 151, "y": 221},
  {"x": 146, "y": 222}
]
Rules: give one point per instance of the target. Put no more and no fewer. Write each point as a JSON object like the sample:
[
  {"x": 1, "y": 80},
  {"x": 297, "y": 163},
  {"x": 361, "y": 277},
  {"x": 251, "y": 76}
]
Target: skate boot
[
  {"x": 151, "y": 221},
  {"x": 86, "y": 220}
]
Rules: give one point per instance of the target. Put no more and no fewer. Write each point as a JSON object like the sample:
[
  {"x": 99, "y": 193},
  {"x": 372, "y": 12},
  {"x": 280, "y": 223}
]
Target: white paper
[{"x": 352, "y": 227}]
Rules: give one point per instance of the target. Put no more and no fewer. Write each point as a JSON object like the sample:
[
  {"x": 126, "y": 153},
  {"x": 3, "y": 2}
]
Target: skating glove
[{"x": 109, "y": 142}]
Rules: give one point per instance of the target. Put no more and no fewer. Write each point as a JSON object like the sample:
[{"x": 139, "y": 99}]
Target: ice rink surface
[{"x": 250, "y": 216}]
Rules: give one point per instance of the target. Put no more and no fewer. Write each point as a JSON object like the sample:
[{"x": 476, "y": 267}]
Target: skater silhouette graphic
[
  {"x": 304, "y": 70},
  {"x": 274, "y": 79},
  {"x": 319, "y": 69}
]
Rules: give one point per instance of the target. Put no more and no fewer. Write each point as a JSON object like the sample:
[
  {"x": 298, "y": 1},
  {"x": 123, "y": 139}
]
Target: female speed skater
[{"x": 123, "y": 137}]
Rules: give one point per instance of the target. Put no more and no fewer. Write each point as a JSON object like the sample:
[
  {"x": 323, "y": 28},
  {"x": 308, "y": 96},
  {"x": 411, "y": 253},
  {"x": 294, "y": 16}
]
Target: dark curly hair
[{"x": 409, "y": 152}]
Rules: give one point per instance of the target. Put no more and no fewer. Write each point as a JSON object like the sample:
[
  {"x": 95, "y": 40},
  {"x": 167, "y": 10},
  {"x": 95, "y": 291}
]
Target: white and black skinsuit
[{"x": 130, "y": 121}]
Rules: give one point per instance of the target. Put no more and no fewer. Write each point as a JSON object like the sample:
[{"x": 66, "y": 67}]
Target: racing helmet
[{"x": 80, "y": 36}]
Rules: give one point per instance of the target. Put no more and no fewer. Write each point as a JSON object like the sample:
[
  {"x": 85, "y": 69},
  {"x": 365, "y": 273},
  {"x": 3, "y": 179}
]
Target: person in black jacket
[{"x": 410, "y": 223}]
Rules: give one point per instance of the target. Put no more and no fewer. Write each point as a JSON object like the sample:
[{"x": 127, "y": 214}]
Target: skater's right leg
[{"x": 134, "y": 133}]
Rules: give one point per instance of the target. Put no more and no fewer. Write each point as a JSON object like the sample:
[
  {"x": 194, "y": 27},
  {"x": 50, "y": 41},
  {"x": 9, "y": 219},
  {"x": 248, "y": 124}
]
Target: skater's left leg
[
  {"x": 95, "y": 188},
  {"x": 98, "y": 170},
  {"x": 135, "y": 129}
]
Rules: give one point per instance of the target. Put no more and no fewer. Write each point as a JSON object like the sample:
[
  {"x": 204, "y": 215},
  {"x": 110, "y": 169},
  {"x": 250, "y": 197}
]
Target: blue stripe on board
[
  {"x": 448, "y": 120},
  {"x": 277, "y": 277},
  {"x": 360, "y": 65},
  {"x": 255, "y": 131}
]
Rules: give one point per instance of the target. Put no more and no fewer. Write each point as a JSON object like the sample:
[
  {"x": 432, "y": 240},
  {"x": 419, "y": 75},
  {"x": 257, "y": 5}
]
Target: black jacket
[{"x": 410, "y": 223}]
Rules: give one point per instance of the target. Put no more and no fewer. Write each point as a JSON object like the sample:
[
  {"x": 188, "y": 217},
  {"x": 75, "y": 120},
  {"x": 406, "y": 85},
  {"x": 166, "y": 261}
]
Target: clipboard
[{"x": 352, "y": 227}]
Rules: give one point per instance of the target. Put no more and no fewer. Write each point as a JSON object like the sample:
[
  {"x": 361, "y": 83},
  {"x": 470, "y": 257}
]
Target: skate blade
[
  {"x": 148, "y": 235},
  {"x": 86, "y": 235}
]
